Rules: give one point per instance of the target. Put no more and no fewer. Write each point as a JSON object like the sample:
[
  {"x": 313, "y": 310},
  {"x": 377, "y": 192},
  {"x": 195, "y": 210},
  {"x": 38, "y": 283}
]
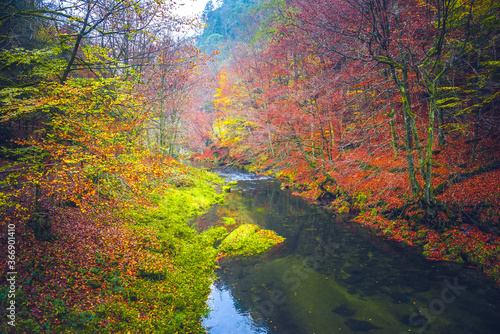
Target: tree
[
  {"x": 417, "y": 42},
  {"x": 78, "y": 106}
]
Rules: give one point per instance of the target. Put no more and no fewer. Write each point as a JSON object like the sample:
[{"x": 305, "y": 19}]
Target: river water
[{"x": 334, "y": 276}]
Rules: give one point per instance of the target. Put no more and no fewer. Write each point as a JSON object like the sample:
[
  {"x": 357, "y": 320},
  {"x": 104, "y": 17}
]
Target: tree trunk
[{"x": 409, "y": 121}]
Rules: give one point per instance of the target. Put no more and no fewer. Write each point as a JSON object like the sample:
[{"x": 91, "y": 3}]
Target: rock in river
[{"x": 344, "y": 310}]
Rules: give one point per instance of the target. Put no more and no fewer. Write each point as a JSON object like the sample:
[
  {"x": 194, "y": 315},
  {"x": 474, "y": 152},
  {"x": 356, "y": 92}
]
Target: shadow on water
[{"x": 333, "y": 276}]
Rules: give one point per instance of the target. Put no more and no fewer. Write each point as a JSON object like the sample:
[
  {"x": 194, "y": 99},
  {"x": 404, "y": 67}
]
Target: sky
[{"x": 191, "y": 7}]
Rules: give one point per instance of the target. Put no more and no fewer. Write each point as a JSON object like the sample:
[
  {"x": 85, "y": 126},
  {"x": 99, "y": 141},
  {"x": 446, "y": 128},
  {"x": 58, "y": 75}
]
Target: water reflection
[
  {"x": 227, "y": 316},
  {"x": 332, "y": 276}
]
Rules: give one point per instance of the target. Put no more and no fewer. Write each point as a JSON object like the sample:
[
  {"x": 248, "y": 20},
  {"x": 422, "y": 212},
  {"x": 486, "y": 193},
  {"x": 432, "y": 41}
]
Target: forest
[{"x": 380, "y": 110}]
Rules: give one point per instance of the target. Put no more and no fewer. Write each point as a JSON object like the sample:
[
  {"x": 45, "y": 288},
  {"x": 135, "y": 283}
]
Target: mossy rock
[{"x": 248, "y": 240}]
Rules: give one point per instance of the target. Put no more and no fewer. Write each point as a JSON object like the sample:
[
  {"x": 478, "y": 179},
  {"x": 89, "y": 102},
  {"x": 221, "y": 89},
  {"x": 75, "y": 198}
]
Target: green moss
[
  {"x": 422, "y": 234},
  {"x": 228, "y": 221},
  {"x": 175, "y": 293},
  {"x": 388, "y": 232},
  {"x": 248, "y": 239}
]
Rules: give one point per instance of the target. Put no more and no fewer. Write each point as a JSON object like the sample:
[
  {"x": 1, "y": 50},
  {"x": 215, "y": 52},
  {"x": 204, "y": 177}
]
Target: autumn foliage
[
  {"x": 383, "y": 108},
  {"x": 91, "y": 108}
]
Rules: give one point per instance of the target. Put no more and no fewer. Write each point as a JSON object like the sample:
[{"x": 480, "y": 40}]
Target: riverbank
[
  {"x": 450, "y": 234},
  {"x": 124, "y": 264},
  {"x": 463, "y": 226},
  {"x": 333, "y": 273}
]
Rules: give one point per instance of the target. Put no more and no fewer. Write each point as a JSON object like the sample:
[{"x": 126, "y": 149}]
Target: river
[{"x": 335, "y": 276}]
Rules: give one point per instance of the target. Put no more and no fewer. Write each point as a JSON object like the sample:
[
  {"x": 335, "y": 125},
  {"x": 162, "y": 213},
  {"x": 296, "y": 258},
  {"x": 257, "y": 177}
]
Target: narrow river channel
[{"x": 334, "y": 276}]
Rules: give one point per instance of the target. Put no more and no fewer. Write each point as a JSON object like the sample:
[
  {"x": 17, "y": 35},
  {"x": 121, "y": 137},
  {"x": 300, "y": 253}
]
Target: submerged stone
[
  {"x": 360, "y": 325},
  {"x": 344, "y": 310}
]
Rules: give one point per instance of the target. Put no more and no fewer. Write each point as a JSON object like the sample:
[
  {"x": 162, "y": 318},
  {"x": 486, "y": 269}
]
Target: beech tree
[
  {"x": 77, "y": 108},
  {"x": 417, "y": 41}
]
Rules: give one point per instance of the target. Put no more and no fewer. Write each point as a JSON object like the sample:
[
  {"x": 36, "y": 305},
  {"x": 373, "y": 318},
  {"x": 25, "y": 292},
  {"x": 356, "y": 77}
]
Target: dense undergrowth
[{"x": 133, "y": 266}]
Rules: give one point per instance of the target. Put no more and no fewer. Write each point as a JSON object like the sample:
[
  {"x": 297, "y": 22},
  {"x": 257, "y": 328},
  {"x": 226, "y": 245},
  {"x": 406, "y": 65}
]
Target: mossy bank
[{"x": 120, "y": 267}]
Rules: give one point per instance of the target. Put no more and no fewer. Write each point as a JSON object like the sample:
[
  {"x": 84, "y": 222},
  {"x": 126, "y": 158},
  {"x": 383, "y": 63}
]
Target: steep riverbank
[
  {"x": 452, "y": 235},
  {"x": 457, "y": 242}
]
